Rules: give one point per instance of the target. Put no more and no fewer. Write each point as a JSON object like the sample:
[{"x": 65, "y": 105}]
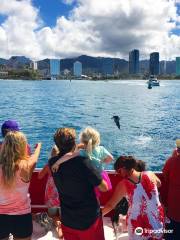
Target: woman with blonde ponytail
[
  {"x": 90, "y": 146},
  {"x": 16, "y": 168}
]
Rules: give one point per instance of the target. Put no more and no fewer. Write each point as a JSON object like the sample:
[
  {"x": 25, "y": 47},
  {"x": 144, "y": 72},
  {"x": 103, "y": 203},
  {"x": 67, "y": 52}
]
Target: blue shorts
[{"x": 20, "y": 226}]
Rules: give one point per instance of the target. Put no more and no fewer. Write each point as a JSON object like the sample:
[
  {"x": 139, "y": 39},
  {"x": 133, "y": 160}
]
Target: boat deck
[
  {"x": 37, "y": 189},
  {"x": 40, "y": 233}
]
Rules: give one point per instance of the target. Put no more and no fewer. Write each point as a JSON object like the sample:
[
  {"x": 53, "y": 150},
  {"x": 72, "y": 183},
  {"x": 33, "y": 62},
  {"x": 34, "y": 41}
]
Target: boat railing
[{"x": 37, "y": 190}]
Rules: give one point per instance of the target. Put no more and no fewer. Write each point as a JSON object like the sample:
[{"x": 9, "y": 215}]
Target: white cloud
[
  {"x": 19, "y": 36},
  {"x": 94, "y": 27}
]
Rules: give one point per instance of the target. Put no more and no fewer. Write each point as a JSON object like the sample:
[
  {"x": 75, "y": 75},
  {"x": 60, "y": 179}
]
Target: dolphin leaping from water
[{"x": 117, "y": 121}]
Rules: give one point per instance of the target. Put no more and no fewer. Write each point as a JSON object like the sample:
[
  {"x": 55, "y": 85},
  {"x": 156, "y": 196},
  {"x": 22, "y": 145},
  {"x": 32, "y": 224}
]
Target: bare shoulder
[
  {"x": 151, "y": 174},
  {"x": 154, "y": 178},
  {"x": 23, "y": 164},
  {"x": 24, "y": 169},
  {"x": 121, "y": 186}
]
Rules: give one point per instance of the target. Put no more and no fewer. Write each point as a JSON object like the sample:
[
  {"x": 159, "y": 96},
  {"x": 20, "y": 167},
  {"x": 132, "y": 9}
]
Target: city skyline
[
  {"x": 89, "y": 66},
  {"x": 62, "y": 28}
]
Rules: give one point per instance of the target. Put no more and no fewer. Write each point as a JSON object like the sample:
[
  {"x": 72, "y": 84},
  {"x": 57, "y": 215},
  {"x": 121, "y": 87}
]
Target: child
[
  {"x": 51, "y": 194},
  {"x": 140, "y": 166},
  {"x": 90, "y": 147}
]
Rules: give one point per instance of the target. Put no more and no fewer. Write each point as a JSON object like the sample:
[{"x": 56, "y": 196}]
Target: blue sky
[
  {"x": 51, "y": 9},
  {"x": 92, "y": 27},
  {"x": 177, "y": 31},
  {"x": 2, "y": 18}
]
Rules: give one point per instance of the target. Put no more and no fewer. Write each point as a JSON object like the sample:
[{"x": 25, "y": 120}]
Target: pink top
[
  {"x": 145, "y": 210},
  {"x": 51, "y": 193},
  {"x": 14, "y": 201}
]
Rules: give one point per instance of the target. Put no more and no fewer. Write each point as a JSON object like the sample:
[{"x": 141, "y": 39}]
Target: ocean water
[{"x": 150, "y": 118}]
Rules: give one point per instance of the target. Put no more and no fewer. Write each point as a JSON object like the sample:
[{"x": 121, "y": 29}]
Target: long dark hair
[{"x": 129, "y": 163}]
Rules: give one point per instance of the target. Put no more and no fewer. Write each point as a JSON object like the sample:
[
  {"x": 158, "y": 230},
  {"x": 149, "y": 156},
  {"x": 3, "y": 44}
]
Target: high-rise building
[
  {"x": 177, "y": 66},
  {"x": 54, "y": 67},
  {"x": 154, "y": 63},
  {"x": 134, "y": 62},
  {"x": 33, "y": 65},
  {"x": 162, "y": 67},
  {"x": 49, "y": 68},
  {"x": 77, "y": 67}
]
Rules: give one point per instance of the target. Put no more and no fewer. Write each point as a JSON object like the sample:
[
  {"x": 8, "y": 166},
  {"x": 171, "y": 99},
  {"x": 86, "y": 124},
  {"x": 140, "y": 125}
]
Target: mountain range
[{"x": 104, "y": 65}]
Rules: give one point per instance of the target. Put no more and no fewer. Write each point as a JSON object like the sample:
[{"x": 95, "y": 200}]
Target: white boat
[
  {"x": 152, "y": 81},
  {"x": 53, "y": 78}
]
